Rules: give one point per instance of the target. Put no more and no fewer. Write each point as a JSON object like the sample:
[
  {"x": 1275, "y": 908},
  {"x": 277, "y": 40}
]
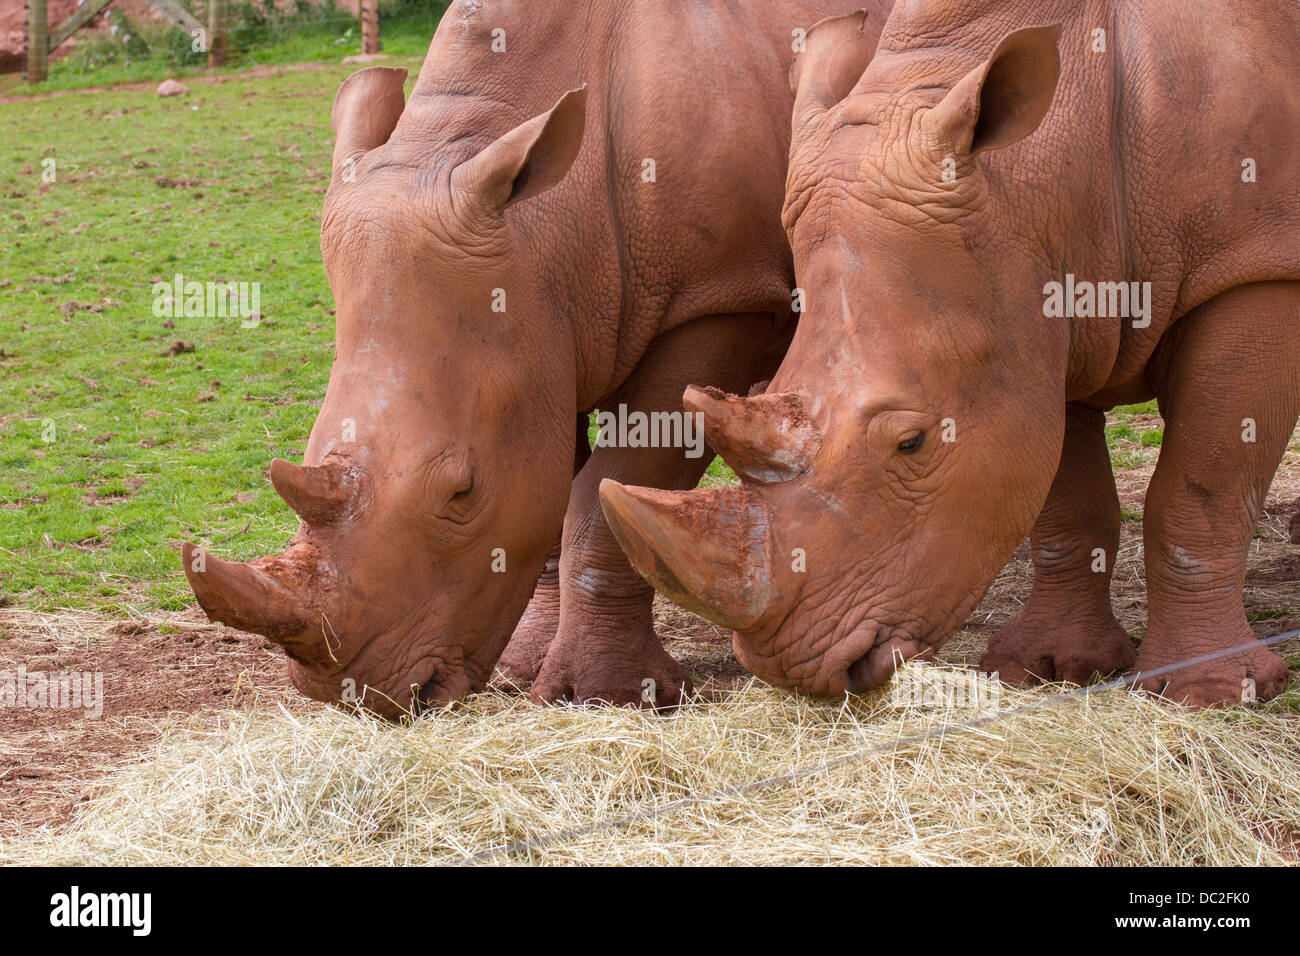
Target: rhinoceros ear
[
  {"x": 366, "y": 110},
  {"x": 529, "y": 159},
  {"x": 1002, "y": 100},
  {"x": 835, "y": 52}
]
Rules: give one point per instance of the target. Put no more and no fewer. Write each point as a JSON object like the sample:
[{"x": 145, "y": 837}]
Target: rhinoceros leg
[
  {"x": 533, "y": 634},
  {"x": 523, "y": 656},
  {"x": 1228, "y": 380},
  {"x": 606, "y": 647},
  {"x": 1066, "y": 631}
]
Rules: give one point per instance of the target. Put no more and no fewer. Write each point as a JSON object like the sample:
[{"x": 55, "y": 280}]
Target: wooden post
[
  {"x": 83, "y": 15},
  {"x": 369, "y": 26},
  {"x": 177, "y": 14},
  {"x": 38, "y": 41},
  {"x": 216, "y": 33}
]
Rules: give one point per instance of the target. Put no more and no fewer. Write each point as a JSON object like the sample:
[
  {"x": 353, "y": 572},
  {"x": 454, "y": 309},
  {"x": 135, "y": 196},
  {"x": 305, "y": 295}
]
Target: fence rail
[{"x": 42, "y": 41}]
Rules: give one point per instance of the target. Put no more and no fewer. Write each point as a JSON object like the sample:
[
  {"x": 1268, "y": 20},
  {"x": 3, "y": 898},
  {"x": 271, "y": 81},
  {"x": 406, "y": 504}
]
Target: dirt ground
[
  {"x": 155, "y": 670},
  {"x": 167, "y": 667}
]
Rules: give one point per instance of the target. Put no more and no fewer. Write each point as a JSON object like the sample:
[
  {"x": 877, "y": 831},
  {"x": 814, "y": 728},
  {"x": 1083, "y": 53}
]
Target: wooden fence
[{"x": 42, "y": 41}]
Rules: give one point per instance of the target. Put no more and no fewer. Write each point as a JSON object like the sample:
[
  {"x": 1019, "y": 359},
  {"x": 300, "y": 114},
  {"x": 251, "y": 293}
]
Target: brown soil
[
  {"x": 255, "y": 71},
  {"x": 155, "y": 670}
]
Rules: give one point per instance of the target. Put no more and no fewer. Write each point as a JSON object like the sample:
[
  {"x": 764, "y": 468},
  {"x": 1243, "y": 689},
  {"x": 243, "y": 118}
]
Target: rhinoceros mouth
[
  {"x": 443, "y": 687},
  {"x": 891, "y": 648}
]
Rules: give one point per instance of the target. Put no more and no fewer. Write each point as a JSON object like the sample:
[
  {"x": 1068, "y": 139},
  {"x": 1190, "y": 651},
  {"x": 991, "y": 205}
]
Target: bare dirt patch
[{"x": 155, "y": 670}]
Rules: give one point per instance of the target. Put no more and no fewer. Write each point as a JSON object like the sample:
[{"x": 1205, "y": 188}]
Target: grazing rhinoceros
[
  {"x": 579, "y": 207},
  {"x": 952, "y": 221}
]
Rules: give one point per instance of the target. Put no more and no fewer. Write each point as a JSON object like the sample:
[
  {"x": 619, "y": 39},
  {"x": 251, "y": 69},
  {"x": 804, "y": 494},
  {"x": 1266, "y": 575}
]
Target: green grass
[
  {"x": 159, "y": 51},
  {"x": 1130, "y": 433},
  {"x": 149, "y": 449}
]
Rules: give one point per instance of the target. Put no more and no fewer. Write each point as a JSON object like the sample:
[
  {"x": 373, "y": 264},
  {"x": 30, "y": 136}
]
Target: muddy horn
[
  {"x": 318, "y": 494},
  {"x": 244, "y": 596},
  {"x": 710, "y": 551},
  {"x": 764, "y": 438}
]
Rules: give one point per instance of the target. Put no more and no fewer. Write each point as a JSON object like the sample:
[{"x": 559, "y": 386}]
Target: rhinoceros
[
  {"x": 944, "y": 394},
  {"x": 578, "y": 208}
]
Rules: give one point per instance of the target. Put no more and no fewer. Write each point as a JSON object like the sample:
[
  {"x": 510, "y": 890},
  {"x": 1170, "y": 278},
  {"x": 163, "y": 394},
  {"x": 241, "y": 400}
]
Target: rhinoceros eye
[{"x": 911, "y": 444}]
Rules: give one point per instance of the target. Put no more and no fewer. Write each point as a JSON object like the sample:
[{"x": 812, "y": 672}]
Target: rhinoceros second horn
[
  {"x": 319, "y": 494},
  {"x": 764, "y": 438}
]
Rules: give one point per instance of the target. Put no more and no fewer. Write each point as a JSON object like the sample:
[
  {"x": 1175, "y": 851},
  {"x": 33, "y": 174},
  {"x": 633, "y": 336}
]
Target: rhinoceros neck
[{"x": 672, "y": 209}]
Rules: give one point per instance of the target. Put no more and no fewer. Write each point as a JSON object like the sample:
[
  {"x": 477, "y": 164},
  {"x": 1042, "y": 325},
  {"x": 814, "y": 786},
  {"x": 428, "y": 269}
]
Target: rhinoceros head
[
  {"x": 438, "y": 469},
  {"x": 911, "y": 434}
]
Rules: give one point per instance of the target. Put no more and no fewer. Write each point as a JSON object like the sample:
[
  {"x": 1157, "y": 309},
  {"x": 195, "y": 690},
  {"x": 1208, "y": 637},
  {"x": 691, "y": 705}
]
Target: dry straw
[{"x": 1116, "y": 778}]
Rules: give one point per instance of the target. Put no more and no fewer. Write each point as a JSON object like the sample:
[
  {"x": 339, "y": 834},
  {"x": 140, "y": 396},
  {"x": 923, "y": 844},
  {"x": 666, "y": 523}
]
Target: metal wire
[{"x": 655, "y": 812}]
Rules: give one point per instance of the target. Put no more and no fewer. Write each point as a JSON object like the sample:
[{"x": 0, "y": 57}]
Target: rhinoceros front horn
[
  {"x": 244, "y": 596},
  {"x": 318, "y": 494},
  {"x": 764, "y": 438},
  {"x": 710, "y": 551}
]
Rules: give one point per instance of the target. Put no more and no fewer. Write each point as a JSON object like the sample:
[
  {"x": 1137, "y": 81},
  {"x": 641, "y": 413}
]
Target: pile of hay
[{"x": 1113, "y": 779}]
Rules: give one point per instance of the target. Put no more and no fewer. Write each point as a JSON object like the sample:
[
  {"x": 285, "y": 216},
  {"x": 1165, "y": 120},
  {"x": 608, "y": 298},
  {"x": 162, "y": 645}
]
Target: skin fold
[
  {"x": 933, "y": 409},
  {"x": 578, "y": 207}
]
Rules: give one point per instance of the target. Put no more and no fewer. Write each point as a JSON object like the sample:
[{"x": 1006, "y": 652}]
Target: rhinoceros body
[
  {"x": 577, "y": 208},
  {"x": 944, "y": 395}
]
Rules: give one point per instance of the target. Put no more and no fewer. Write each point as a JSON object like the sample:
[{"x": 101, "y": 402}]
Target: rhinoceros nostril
[
  {"x": 431, "y": 695},
  {"x": 891, "y": 647},
  {"x": 860, "y": 676}
]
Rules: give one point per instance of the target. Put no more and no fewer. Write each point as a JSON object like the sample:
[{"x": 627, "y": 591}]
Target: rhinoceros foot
[
  {"x": 1041, "y": 644},
  {"x": 523, "y": 657},
  {"x": 599, "y": 663},
  {"x": 1244, "y": 677}
]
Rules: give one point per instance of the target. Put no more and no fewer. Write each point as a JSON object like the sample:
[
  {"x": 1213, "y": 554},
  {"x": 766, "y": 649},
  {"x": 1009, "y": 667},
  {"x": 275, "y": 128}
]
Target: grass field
[
  {"x": 145, "y": 447},
  {"x": 116, "y": 443},
  {"x": 150, "y": 447}
]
